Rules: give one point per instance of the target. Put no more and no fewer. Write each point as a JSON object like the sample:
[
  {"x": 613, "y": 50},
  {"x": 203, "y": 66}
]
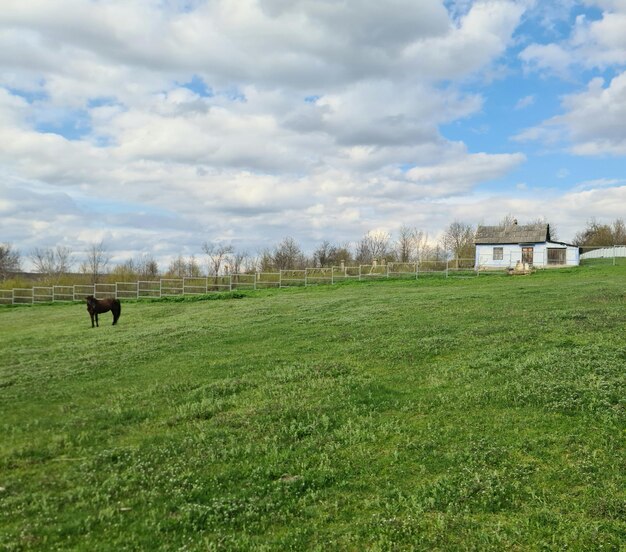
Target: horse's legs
[
  {"x": 116, "y": 309},
  {"x": 98, "y": 325},
  {"x": 92, "y": 324}
]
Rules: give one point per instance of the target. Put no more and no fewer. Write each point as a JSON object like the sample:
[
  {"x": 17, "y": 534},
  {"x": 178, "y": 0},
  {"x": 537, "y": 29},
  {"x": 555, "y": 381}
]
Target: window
[
  {"x": 498, "y": 253},
  {"x": 556, "y": 256}
]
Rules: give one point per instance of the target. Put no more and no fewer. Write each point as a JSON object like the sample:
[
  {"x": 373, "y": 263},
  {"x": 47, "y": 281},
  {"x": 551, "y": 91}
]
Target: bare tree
[
  {"x": 177, "y": 268},
  {"x": 404, "y": 243},
  {"x": 43, "y": 260},
  {"x": 420, "y": 240},
  {"x": 147, "y": 267},
  {"x": 264, "y": 261},
  {"x": 217, "y": 254},
  {"x": 52, "y": 262},
  {"x": 379, "y": 244},
  {"x": 328, "y": 254},
  {"x": 287, "y": 255},
  {"x": 596, "y": 234},
  {"x": 507, "y": 220},
  {"x": 181, "y": 267},
  {"x": 411, "y": 244},
  {"x": 240, "y": 262},
  {"x": 542, "y": 221},
  {"x": 9, "y": 260},
  {"x": 619, "y": 232},
  {"x": 96, "y": 262},
  {"x": 126, "y": 271},
  {"x": 143, "y": 266},
  {"x": 362, "y": 253},
  {"x": 458, "y": 240},
  {"x": 374, "y": 245},
  {"x": 193, "y": 269},
  {"x": 63, "y": 259},
  {"x": 324, "y": 254},
  {"x": 342, "y": 253}
]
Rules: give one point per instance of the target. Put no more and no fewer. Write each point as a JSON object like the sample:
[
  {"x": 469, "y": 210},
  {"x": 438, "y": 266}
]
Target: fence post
[
  {"x": 614, "y": 254},
  {"x": 359, "y": 273},
  {"x": 447, "y": 261},
  {"x": 332, "y": 275},
  {"x": 280, "y": 277},
  {"x": 305, "y": 276}
]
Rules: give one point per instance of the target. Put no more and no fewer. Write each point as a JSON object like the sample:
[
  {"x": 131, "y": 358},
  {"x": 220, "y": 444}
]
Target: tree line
[{"x": 410, "y": 244}]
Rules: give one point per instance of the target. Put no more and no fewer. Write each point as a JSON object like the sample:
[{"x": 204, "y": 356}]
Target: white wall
[
  {"x": 512, "y": 253},
  {"x": 605, "y": 252}
]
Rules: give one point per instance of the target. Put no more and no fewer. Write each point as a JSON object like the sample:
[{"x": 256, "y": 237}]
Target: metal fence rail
[
  {"x": 127, "y": 290},
  {"x": 243, "y": 281},
  {"x": 148, "y": 289},
  {"x": 313, "y": 276},
  {"x": 42, "y": 294},
  {"x": 82, "y": 291},
  {"x": 62, "y": 293},
  {"x": 176, "y": 287},
  {"x": 104, "y": 290}
]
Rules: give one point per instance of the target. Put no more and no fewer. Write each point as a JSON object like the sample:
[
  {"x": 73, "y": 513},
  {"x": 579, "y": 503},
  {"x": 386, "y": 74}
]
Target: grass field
[{"x": 478, "y": 414}]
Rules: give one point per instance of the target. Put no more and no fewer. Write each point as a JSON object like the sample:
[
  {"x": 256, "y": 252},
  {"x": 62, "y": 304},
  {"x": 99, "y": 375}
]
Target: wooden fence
[{"x": 172, "y": 287}]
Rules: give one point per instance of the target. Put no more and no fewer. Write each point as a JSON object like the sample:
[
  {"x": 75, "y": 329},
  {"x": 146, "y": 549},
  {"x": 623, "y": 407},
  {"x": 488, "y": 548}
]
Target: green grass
[{"x": 459, "y": 414}]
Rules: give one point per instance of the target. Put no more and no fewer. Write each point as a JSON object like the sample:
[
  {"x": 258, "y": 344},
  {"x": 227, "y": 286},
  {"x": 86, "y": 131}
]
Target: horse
[{"x": 98, "y": 306}]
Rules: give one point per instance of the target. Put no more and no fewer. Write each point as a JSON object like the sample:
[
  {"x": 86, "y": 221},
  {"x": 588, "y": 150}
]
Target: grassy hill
[{"x": 479, "y": 414}]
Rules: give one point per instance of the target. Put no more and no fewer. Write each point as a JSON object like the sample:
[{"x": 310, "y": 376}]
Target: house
[{"x": 505, "y": 246}]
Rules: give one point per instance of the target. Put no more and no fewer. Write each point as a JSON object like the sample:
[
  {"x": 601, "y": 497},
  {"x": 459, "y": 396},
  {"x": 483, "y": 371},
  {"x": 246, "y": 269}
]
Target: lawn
[{"x": 459, "y": 414}]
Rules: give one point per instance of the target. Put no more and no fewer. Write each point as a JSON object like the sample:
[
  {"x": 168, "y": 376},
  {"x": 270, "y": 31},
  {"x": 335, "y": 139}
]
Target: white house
[{"x": 505, "y": 246}]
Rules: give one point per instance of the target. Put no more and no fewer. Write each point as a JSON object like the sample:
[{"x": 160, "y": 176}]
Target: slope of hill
[{"x": 463, "y": 414}]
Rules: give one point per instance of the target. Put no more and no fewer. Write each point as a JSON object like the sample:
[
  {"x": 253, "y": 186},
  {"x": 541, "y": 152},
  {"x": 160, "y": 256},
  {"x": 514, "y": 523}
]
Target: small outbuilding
[{"x": 506, "y": 246}]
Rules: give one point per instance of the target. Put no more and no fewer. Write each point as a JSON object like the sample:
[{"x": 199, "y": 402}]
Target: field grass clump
[{"x": 459, "y": 414}]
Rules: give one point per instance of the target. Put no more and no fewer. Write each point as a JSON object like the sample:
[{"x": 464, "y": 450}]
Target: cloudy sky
[{"x": 157, "y": 125}]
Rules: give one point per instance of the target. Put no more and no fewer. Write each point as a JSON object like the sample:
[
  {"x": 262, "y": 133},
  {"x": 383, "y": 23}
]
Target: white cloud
[
  {"x": 562, "y": 173},
  {"x": 252, "y": 160},
  {"x": 592, "y": 123},
  {"x": 591, "y": 44},
  {"x": 525, "y": 102},
  {"x": 598, "y": 183},
  {"x": 300, "y": 44},
  {"x": 594, "y": 118},
  {"x": 543, "y": 57},
  {"x": 574, "y": 208},
  {"x": 460, "y": 175}
]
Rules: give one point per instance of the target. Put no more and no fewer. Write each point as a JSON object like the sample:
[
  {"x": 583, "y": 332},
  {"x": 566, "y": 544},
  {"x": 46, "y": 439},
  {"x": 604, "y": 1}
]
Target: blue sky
[{"x": 155, "y": 126}]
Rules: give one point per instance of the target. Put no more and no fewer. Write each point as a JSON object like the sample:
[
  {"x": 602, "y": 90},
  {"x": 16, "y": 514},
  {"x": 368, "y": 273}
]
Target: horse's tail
[{"x": 116, "y": 307}]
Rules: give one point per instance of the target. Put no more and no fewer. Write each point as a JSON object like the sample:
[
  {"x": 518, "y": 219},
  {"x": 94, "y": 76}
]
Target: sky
[{"x": 154, "y": 126}]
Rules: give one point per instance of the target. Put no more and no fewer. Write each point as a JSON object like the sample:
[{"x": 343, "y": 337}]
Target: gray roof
[{"x": 514, "y": 233}]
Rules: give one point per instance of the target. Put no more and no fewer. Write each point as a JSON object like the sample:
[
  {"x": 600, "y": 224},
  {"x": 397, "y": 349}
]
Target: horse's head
[{"x": 91, "y": 301}]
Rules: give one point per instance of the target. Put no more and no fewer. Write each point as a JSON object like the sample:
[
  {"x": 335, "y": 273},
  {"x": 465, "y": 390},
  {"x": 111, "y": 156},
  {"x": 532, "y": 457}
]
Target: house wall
[{"x": 512, "y": 253}]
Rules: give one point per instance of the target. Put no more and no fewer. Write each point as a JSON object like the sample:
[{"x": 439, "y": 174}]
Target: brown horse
[{"x": 98, "y": 306}]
